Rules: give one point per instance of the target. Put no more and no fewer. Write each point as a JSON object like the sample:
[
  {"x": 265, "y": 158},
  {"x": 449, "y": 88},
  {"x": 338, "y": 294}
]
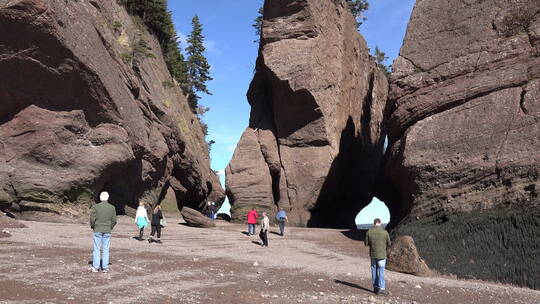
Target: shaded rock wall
[
  {"x": 84, "y": 109},
  {"x": 462, "y": 176},
  {"x": 315, "y": 138}
]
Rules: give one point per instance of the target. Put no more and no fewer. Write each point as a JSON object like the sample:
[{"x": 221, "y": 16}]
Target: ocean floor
[{"x": 49, "y": 263}]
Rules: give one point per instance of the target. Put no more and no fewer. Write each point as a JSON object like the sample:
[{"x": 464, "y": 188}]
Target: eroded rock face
[
  {"x": 314, "y": 142},
  {"x": 84, "y": 110},
  {"x": 464, "y": 130},
  {"x": 403, "y": 257}
]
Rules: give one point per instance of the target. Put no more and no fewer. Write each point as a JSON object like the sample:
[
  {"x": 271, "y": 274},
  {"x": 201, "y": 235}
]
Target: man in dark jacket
[
  {"x": 102, "y": 221},
  {"x": 378, "y": 241}
]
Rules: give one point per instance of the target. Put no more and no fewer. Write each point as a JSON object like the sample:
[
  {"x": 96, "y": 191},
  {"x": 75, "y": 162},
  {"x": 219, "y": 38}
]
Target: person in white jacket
[
  {"x": 265, "y": 224},
  {"x": 141, "y": 219}
]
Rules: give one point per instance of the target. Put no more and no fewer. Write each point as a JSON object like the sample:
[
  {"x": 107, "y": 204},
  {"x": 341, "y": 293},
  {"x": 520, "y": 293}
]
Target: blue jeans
[
  {"x": 251, "y": 229},
  {"x": 377, "y": 273},
  {"x": 101, "y": 241},
  {"x": 281, "y": 227}
]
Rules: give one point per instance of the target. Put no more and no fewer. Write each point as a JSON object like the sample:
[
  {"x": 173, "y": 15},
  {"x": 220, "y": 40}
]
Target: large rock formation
[
  {"x": 403, "y": 257},
  {"x": 314, "y": 142},
  {"x": 84, "y": 107},
  {"x": 464, "y": 127}
]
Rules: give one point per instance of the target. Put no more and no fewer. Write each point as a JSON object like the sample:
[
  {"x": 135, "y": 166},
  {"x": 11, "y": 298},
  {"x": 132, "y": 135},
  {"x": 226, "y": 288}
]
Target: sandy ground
[{"x": 48, "y": 263}]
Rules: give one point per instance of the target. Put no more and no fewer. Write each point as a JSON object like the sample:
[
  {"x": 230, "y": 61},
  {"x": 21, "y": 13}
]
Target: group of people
[
  {"x": 141, "y": 219},
  {"x": 103, "y": 220},
  {"x": 252, "y": 216}
]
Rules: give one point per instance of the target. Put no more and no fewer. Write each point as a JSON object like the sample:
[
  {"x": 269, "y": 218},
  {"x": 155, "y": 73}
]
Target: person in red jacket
[{"x": 252, "y": 217}]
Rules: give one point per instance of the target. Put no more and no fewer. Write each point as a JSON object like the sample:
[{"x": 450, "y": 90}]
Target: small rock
[
  {"x": 320, "y": 280},
  {"x": 314, "y": 297},
  {"x": 256, "y": 263},
  {"x": 349, "y": 274},
  {"x": 321, "y": 293},
  {"x": 275, "y": 296},
  {"x": 195, "y": 259},
  {"x": 417, "y": 286}
]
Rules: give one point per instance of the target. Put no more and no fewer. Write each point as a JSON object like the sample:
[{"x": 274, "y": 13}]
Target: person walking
[
  {"x": 252, "y": 217},
  {"x": 378, "y": 241},
  {"x": 102, "y": 222},
  {"x": 141, "y": 219},
  {"x": 265, "y": 224},
  {"x": 281, "y": 218},
  {"x": 157, "y": 215}
]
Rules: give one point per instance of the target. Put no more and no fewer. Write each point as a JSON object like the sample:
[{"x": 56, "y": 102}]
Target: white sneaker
[
  {"x": 105, "y": 270},
  {"x": 93, "y": 269}
]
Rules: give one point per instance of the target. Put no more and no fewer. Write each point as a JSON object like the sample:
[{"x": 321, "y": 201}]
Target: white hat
[{"x": 104, "y": 196}]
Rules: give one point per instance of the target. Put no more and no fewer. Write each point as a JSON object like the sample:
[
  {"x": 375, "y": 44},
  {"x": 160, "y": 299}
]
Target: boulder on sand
[
  {"x": 403, "y": 257},
  {"x": 195, "y": 218}
]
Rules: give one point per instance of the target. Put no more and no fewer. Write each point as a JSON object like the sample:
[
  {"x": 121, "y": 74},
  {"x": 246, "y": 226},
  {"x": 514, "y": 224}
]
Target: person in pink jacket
[{"x": 252, "y": 217}]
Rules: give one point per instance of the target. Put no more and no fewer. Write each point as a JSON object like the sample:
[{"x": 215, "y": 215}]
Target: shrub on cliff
[{"x": 158, "y": 19}]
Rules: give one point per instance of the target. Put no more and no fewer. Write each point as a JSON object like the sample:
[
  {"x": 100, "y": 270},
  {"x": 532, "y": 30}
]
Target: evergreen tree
[
  {"x": 197, "y": 66},
  {"x": 358, "y": 7},
  {"x": 158, "y": 19},
  {"x": 380, "y": 58},
  {"x": 257, "y": 24}
]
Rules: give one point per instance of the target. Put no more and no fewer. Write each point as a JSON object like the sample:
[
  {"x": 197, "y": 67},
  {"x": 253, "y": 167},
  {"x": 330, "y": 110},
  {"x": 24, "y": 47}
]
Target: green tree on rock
[
  {"x": 155, "y": 15},
  {"x": 358, "y": 7},
  {"x": 380, "y": 58},
  {"x": 257, "y": 24},
  {"x": 198, "y": 68}
]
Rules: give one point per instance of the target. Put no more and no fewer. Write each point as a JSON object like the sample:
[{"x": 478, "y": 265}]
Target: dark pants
[
  {"x": 141, "y": 232},
  {"x": 264, "y": 237},
  {"x": 156, "y": 229}
]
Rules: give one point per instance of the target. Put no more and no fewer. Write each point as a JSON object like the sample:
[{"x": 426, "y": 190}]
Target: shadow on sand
[{"x": 353, "y": 285}]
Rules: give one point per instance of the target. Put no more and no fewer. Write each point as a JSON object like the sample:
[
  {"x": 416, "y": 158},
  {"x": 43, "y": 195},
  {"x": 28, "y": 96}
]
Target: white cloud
[
  {"x": 182, "y": 38},
  {"x": 221, "y": 172},
  {"x": 211, "y": 47}
]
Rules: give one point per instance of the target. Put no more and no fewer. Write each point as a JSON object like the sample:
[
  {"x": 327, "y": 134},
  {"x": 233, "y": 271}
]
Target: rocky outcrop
[
  {"x": 315, "y": 140},
  {"x": 403, "y": 257},
  {"x": 462, "y": 176},
  {"x": 85, "y": 108},
  {"x": 195, "y": 218}
]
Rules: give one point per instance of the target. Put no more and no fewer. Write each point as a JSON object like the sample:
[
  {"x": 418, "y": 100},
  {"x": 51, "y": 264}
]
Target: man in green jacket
[
  {"x": 378, "y": 241},
  {"x": 102, "y": 221}
]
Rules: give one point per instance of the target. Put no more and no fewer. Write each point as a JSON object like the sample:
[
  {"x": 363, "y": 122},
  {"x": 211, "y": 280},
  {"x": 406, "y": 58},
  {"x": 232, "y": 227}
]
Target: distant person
[
  {"x": 157, "y": 215},
  {"x": 265, "y": 224},
  {"x": 212, "y": 210},
  {"x": 252, "y": 217},
  {"x": 281, "y": 218},
  {"x": 141, "y": 219},
  {"x": 378, "y": 241},
  {"x": 102, "y": 221}
]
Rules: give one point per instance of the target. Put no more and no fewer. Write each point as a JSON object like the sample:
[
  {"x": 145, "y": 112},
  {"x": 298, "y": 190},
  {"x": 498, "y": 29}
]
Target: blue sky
[{"x": 231, "y": 53}]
